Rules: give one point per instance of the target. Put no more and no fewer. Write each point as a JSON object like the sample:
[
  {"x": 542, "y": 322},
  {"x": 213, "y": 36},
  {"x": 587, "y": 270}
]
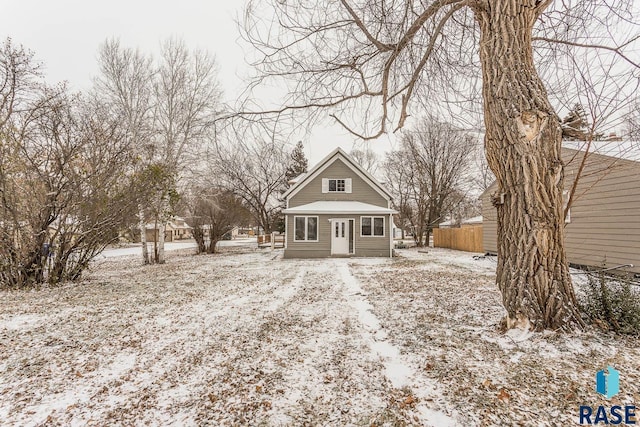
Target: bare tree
[
  {"x": 213, "y": 213},
  {"x": 94, "y": 190},
  {"x": 254, "y": 167},
  {"x": 63, "y": 187},
  {"x": 168, "y": 110},
  {"x": 380, "y": 56},
  {"x": 125, "y": 82},
  {"x": 20, "y": 76},
  {"x": 367, "y": 158},
  {"x": 397, "y": 174},
  {"x": 186, "y": 96},
  {"x": 430, "y": 173},
  {"x": 482, "y": 177}
]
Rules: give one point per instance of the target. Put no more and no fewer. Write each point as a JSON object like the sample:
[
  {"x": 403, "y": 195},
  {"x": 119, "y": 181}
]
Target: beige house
[
  {"x": 603, "y": 225},
  {"x": 176, "y": 229},
  {"x": 338, "y": 209}
]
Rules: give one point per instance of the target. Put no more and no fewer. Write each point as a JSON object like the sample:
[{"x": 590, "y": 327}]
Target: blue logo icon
[{"x": 608, "y": 382}]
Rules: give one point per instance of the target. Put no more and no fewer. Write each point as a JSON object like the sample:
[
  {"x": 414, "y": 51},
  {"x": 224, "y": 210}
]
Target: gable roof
[{"x": 336, "y": 154}]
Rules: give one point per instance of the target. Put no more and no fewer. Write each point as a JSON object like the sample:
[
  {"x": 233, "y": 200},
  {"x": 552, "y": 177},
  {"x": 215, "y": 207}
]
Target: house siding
[
  {"x": 605, "y": 215},
  {"x": 361, "y": 190},
  {"x": 364, "y": 245},
  {"x": 489, "y": 222}
]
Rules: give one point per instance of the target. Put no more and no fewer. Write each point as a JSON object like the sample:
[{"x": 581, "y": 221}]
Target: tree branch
[
  {"x": 383, "y": 47},
  {"x": 615, "y": 50}
]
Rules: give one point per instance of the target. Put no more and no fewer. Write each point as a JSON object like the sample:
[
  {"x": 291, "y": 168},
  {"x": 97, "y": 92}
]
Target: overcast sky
[{"x": 65, "y": 36}]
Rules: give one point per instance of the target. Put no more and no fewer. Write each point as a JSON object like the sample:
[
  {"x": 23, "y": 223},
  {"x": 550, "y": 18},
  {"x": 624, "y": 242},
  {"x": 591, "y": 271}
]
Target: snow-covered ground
[
  {"x": 248, "y": 338},
  {"x": 132, "y": 250}
]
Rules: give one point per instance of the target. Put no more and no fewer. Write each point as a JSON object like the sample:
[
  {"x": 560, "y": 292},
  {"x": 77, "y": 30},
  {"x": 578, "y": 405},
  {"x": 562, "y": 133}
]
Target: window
[
  {"x": 305, "y": 229},
  {"x": 337, "y": 185},
  {"x": 372, "y": 226}
]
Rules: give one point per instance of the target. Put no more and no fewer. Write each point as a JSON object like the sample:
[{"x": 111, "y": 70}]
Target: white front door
[{"x": 339, "y": 237}]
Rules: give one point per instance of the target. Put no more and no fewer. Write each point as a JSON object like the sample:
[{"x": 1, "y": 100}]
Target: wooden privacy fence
[{"x": 462, "y": 239}]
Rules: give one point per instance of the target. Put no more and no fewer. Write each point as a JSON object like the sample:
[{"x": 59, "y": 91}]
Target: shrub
[{"x": 612, "y": 303}]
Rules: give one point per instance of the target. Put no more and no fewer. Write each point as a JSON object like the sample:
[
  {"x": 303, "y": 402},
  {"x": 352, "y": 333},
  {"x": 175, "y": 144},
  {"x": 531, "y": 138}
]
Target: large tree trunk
[{"x": 522, "y": 143}]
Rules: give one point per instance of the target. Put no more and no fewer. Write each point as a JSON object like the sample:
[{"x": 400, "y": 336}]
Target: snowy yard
[{"x": 246, "y": 337}]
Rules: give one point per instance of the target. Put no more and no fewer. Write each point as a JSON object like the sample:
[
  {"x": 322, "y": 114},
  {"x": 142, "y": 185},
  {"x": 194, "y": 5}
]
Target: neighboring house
[
  {"x": 338, "y": 209},
  {"x": 179, "y": 228},
  {"x": 176, "y": 229},
  {"x": 234, "y": 233},
  {"x": 603, "y": 225}
]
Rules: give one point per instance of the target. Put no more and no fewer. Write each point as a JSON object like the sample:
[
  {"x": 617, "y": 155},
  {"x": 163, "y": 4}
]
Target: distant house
[
  {"x": 338, "y": 209},
  {"x": 603, "y": 225},
  {"x": 179, "y": 228},
  {"x": 176, "y": 229}
]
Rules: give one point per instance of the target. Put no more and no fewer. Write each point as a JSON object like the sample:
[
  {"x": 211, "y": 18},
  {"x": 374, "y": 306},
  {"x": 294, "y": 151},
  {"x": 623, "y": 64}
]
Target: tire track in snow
[{"x": 397, "y": 371}]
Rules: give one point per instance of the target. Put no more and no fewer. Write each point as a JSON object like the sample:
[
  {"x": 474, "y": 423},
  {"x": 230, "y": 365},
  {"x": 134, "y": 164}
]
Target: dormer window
[{"x": 337, "y": 185}]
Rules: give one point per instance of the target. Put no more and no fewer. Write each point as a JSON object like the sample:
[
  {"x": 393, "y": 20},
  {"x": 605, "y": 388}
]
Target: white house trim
[{"x": 331, "y": 207}]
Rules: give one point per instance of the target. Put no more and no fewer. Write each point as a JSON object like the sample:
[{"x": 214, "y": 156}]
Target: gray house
[
  {"x": 338, "y": 209},
  {"x": 602, "y": 228}
]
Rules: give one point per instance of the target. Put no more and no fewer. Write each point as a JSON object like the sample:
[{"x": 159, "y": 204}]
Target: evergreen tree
[
  {"x": 299, "y": 163},
  {"x": 575, "y": 125}
]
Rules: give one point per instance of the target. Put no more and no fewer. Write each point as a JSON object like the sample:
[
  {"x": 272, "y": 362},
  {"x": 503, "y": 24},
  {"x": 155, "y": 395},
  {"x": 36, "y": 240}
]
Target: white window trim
[
  {"x": 384, "y": 226},
  {"x": 306, "y": 228}
]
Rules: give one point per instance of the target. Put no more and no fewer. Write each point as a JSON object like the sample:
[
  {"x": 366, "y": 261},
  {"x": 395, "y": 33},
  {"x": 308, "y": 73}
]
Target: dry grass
[{"x": 245, "y": 337}]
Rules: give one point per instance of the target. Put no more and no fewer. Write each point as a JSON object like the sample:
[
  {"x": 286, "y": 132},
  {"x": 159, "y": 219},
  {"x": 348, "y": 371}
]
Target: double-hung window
[
  {"x": 337, "y": 185},
  {"x": 305, "y": 229},
  {"x": 372, "y": 226}
]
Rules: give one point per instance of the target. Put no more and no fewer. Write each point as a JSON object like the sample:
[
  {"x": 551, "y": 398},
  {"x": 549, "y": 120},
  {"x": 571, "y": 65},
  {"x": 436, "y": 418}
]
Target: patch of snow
[
  {"x": 21, "y": 321},
  {"x": 136, "y": 250}
]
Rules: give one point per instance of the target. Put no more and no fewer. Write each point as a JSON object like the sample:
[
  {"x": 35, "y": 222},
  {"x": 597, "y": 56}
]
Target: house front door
[{"x": 340, "y": 237}]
